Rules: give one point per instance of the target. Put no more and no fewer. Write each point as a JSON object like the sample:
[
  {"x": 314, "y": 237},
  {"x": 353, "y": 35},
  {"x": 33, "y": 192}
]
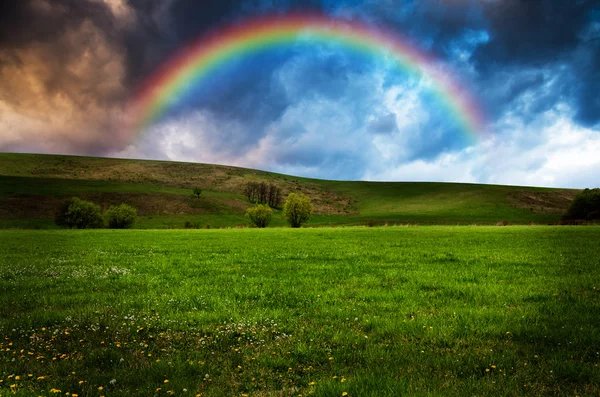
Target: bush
[
  {"x": 80, "y": 214},
  {"x": 192, "y": 225},
  {"x": 260, "y": 216},
  {"x": 586, "y": 205},
  {"x": 197, "y": 192},
  {"x": 121, "y": 217},
  {"x": 297, "y": 209}
]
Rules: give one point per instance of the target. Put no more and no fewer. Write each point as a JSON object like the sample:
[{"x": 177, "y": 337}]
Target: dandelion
[
  {"x": 17, "y": 377},
  {"x": 343, "y": 379},
  {"x": 81, "y": 382},
  {"x": 100, "y": 388},
  {"x": 53, "y": 390},
  {"x": 166, "y": 381},
  {"x": 311, "y": 384},
  {"x": 158, "y": 389},
  {"x": 13, "y": 386},
  {"x": 74, "y": 395},
  {"x": 344, "y": 394},
  {"x": 113, "y": 381}
]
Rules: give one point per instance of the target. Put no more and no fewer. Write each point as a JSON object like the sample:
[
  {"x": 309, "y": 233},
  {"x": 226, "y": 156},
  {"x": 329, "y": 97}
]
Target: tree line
[{"x": 263, "y": 193}]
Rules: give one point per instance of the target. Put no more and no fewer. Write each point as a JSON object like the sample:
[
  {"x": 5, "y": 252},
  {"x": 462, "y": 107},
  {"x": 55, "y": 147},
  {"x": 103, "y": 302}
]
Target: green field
[
  {"x": 385, "y": 311},
  {"x": 32, "y": 186}
]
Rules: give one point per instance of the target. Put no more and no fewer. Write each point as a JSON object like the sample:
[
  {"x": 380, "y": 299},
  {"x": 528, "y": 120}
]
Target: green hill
[{"x": 32, "y": 187}]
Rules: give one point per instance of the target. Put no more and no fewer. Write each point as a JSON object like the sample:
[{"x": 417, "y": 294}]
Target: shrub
[
  {"x": 297, "y": 209},
  {"x": 260, "y": 216},
  {"x": 586, "y": 205},
  {"x": 192, "y": 225},
  {"x": 121, "y": 217},
  {"x": 61, "y": 218},
  {"x": 80, "y": 214},
  {"x": 197, "y": 192}
]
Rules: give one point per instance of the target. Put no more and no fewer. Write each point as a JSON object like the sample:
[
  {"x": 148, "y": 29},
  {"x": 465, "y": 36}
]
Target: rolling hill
[{"x": 32, "y": 186}]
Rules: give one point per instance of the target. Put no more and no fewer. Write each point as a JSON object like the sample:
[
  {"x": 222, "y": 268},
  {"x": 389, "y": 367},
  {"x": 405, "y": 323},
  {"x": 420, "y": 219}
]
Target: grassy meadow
[{"x": 387, "y": 311}]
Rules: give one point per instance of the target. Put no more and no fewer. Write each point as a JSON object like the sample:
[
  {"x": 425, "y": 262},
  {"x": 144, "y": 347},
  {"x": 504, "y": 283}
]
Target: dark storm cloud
[
  {"x": 60, "y": 74},
  {"x": 24, "y": 21},
  {"x": 536, "y": 35}
]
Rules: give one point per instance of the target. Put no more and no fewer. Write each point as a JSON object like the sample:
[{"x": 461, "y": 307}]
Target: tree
[
  {"x": 260, "y": 216},
  {"x": 121, "y": 217},
  {"x": 62, "y": 214},
  {"x": 297, "y": 209},
  {"x": 80, "y": 214},
  {"x": 274, "y": 197},
  {"x": 586, "y": 205},
  {"x": 197, "y": 192}
]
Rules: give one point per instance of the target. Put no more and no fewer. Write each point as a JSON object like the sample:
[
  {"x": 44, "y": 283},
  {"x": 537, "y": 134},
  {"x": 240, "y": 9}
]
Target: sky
[{"x": 69, "y": 69}]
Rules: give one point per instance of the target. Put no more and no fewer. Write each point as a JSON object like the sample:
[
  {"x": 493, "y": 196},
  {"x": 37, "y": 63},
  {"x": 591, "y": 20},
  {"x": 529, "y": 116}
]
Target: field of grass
[
  {"x": 384, "y": 311},
  {"x": 32, "y": 187}
]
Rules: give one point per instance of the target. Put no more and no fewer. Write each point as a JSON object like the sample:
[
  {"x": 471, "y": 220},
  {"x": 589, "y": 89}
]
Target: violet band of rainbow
[{"x": 201, "y": 58}]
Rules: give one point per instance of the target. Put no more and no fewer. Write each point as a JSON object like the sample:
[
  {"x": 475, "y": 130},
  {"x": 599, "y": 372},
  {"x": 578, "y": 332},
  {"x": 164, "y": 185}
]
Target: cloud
[
  {"x": 564, "y": 154},
  {"x": 62, "y": 76}
]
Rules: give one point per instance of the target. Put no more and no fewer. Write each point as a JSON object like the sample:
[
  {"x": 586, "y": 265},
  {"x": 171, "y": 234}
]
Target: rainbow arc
[{"x": 201, "y": 58}]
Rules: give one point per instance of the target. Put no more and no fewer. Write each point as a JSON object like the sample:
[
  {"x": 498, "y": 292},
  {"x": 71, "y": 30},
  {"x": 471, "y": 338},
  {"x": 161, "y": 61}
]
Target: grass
[
  {"x": 33, "y": 185},
  {"x": 277, "y": 312}
]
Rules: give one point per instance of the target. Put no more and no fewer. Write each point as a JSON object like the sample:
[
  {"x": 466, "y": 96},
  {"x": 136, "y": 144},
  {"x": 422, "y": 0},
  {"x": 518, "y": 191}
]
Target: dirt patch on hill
[
  {"x": 45, "y": 207},
  {"x": 552, "y": 202},
  {"x": 183, "y": 175}
]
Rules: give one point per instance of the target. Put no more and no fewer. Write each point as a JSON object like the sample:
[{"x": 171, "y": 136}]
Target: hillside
[{"x": 32, "y": 187}]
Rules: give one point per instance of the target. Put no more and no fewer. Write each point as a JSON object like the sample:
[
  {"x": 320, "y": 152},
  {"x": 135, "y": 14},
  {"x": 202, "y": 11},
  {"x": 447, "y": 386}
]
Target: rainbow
[{"x": 198, "y": 60}]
